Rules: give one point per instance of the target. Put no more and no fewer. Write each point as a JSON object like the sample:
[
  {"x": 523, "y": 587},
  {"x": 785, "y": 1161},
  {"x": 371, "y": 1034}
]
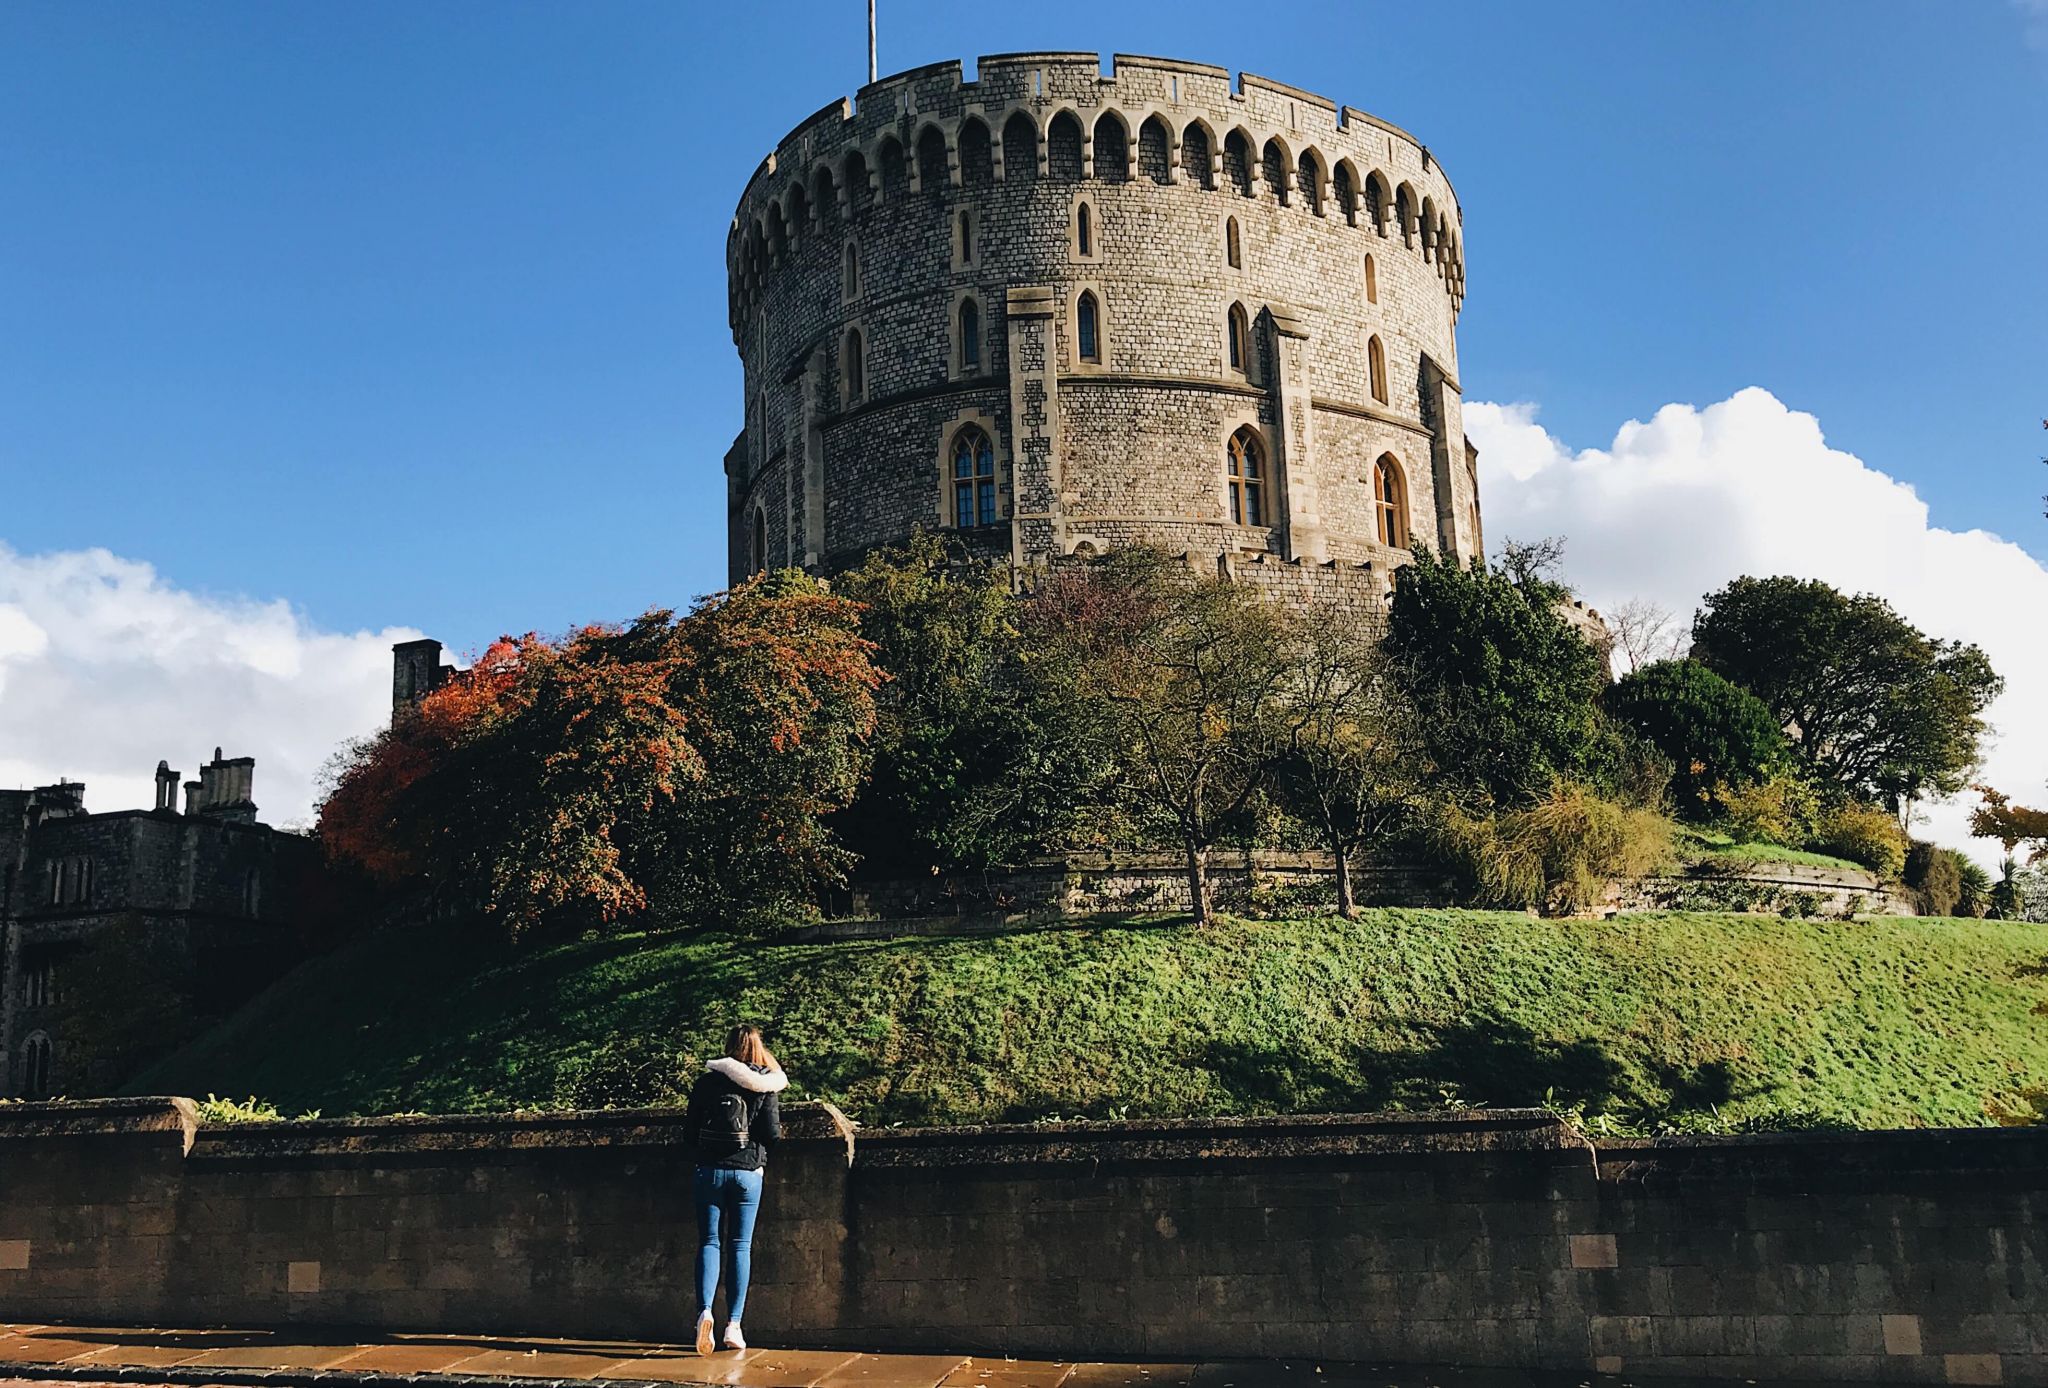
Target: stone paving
[{"x": 33, "y": 1356}]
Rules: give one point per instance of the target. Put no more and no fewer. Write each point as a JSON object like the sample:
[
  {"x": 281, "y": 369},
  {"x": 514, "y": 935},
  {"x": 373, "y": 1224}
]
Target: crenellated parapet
[{"x": 929, "y": 128}]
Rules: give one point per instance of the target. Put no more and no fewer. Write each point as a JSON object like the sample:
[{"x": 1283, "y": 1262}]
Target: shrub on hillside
[
  {"x": 1783, "y": 808},
  {"x": 1582, "y": 842},
  {"x": 1862, "y": 834},
  {"x": 1715, "y": 733},
  {"x": 1977, "y": 888},
  {"x": 1559, "y": 854},
  {"x": 1936, "y": 874}
]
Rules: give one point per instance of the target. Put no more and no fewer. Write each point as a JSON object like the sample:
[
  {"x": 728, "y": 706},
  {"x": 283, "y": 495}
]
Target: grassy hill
[{"x": 1644, "y": 1017}]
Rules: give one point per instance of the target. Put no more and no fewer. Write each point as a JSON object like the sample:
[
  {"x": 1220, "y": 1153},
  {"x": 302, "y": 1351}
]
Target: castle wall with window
[
  {"x": 1153, "y": 305},
  {"x": 198, "y": 887}
]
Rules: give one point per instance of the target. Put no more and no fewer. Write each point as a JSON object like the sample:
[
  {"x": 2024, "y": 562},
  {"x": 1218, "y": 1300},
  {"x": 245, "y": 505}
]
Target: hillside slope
[{"x": 1887, "y": 1022}]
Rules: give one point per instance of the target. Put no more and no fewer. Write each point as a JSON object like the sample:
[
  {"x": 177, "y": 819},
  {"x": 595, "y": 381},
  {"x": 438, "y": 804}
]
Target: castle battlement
[{"x": 1058, "y": 310}]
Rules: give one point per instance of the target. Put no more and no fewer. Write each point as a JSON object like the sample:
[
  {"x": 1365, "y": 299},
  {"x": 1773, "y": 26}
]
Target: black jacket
[{"x": 764, "y": 1122}]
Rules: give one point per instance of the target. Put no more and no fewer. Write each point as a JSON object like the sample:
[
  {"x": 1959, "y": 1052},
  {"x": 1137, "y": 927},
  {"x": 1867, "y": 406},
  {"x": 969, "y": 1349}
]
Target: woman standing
[{"x": 732, "y": 1118}]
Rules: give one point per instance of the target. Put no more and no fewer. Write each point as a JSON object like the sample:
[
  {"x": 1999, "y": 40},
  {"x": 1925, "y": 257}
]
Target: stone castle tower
[{"x": 1053, "y": 312}]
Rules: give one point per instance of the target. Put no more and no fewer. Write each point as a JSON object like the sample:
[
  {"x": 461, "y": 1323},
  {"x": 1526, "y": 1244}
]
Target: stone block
[
  {"x": 1901, "y": 1334},
  {"x": 1594, "y": 1251},
  {"x": 1972, "y": 1368},
  {"x": 14, "y": 1254},
  {"x": 302, "y": 1277}
]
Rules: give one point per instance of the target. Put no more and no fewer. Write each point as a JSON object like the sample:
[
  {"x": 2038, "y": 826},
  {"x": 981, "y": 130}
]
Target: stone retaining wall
[
  {"x": 1501, "y": 1239},
  {"x": 1085, "y": 884}
]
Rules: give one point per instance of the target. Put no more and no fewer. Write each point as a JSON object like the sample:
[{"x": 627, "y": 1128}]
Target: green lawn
[
  {"x": 1875, "y": 1023},
  {"x": 1702, "y": 843}
]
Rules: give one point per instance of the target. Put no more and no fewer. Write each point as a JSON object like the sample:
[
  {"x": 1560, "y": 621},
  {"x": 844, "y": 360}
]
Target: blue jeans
[{"x": 727, "y": 1202}]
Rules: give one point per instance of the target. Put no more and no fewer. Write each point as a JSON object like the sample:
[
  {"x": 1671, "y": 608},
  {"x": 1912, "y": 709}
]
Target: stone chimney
[
  {"x": 226, "y": 789},
  {"x": 166, "y": 788}
]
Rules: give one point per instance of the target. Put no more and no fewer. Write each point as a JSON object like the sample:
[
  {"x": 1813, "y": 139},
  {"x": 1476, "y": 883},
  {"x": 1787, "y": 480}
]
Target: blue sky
[
  {"x": 414, "y": 313},
  {"x": 320, "y": 322}
]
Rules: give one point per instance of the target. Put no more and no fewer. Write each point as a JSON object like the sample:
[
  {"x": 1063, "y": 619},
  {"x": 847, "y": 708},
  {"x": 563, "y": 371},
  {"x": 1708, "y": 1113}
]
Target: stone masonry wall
[
  {"x": 881, "y": 219},
  {"x": 1490, "y": 1239}
]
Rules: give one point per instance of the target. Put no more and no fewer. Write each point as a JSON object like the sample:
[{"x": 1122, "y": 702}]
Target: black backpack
[{"x": 727, "y": 1119}]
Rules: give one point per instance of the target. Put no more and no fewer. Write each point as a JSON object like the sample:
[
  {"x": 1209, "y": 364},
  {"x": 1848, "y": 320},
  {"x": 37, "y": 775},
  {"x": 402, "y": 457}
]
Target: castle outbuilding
[
  {"x": 1052, "y": 311},
  {"x": 203, "y": 891}
]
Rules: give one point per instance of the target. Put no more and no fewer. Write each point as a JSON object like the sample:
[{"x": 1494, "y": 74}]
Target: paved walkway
[{"x": 84, "y": 1356}]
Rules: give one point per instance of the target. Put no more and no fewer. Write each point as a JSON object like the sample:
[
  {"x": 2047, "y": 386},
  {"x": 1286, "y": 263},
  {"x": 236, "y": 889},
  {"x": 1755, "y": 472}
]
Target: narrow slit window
[
  {"x": 966, "y": 237},
  {"x": 1376, "y": 364},
  {"x": 1372, "y": 281},
  {"x": 1086, "y": 329},
  {"x": 1240, "y": 341},
  {"x": 970, "y": 335},
  {"x": 1233, "y": 246},
  {"x": 852, "y": 367},
  {"x": 852, "y": 287},
  {"x": 1084, "y": 230}
]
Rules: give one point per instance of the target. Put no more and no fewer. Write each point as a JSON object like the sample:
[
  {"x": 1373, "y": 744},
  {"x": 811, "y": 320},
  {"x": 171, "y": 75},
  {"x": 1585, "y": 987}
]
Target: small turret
[{"x": 416, "y": 671}]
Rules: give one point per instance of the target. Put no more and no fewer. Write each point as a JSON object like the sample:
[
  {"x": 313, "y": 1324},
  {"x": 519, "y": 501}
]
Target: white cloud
[
  {"x": 1676, "y": 507},
  {"x": 2034, "y": 22},
  {"x": 105, "y": 668}
]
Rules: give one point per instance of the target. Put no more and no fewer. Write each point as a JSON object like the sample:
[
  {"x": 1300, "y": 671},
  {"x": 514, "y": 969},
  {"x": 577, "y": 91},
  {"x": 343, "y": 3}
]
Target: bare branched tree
[{"x": 1643, "y": 633}]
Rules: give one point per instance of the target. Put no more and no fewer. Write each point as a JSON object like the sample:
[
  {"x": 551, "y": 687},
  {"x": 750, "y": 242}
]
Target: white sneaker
[
  {"x": 733, "y": 1338},
  {"x": 704, "y": 1344}
]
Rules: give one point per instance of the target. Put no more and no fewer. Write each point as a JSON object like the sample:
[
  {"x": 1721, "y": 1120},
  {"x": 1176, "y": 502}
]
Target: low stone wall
[
  {"x": 1803, "y": 889},
  {"x": 1082, "y": 884},
  {"x": 1490, "y": 1239},
  {"x": 1261, "y": 879}
]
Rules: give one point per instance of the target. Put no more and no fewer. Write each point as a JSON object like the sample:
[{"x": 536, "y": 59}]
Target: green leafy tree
[
  {"x": 1349, "y": 760},
  {"x": 971, "y": 766},
  {"x": 1870, "y": 703},
  {"x": 1715, "y": 733},
  {"x": 1180, "y": 679},
  {"x": 1502, "y": 687}
]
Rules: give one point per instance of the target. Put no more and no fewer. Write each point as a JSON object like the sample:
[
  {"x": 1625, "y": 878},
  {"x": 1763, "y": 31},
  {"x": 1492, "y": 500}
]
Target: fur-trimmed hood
[{"x": 747, "y": 1077}]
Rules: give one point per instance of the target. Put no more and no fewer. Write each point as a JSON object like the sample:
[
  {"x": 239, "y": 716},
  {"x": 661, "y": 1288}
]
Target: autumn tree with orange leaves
[{"x": 676, "y": 767}]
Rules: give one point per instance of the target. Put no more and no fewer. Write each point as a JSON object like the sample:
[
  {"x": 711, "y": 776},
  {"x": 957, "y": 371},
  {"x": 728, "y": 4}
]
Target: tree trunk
[
  {"x": 1198, "y": 881},
  {"x": 1345, "y": 907}
]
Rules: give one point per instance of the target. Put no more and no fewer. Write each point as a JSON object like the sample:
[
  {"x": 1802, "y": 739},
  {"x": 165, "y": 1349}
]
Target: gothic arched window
[
  {"x": 1389, "y": 502},
  {"x": 1087, "y": 331},
  {"x": 974, "y": 479},
  {"x": 1240, "y": 341},
  {"x": 1376, "y": 364},
  {"x": 1247, "y": 478}
]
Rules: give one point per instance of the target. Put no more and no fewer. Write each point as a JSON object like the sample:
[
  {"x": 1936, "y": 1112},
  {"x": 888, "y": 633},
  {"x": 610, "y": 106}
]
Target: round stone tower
[{"x": 1055, "y": 312}]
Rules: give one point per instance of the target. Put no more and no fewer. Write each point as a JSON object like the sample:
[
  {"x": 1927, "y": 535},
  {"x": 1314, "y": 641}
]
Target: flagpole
[{"x": 871, "y": 41}]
